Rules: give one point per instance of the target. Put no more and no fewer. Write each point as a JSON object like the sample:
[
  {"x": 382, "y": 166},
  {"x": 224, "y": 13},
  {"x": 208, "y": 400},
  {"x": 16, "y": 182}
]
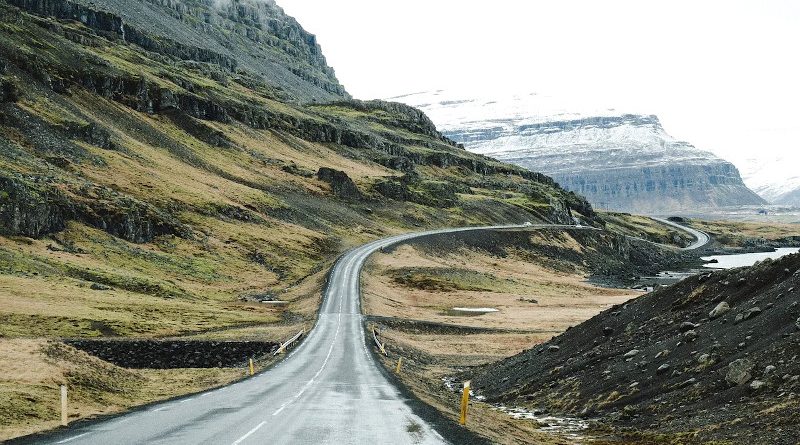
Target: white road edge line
[
  {"x": 72, "y": 438},
  {"x": 358, "y": 258},
  {"x": 324, "y": 363},
  {"x": 250, "y": 433}
]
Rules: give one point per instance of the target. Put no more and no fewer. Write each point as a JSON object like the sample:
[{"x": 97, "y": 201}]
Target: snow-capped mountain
[
  {"x": 618, "y": 161},
  {"x": 775, "y": 177}
]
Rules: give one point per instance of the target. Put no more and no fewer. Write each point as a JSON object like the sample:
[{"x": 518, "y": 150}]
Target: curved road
[
  {"x": 330, "y": 390},
  {"x": 701, "y": 238}
]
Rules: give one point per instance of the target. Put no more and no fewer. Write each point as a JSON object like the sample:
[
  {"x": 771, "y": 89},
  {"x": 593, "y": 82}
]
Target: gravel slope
[{"x": 715, "y": 356}]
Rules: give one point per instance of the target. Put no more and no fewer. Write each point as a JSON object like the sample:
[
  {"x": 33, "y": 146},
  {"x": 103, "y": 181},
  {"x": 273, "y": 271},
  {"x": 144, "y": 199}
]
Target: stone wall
[{"x": 170, "y": 354}]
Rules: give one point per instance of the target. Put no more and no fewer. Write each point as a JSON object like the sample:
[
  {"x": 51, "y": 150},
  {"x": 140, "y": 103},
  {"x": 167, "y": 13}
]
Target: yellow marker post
[
  {"x": 464, "y": 403},
  {"x": 252, "y": 368},
  {"x": 399, "y": 363},
  {"x": 64, "y": 418}
]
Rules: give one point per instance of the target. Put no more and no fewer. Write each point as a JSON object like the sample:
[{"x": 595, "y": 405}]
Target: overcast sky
[{"x": 724, "y": 75}]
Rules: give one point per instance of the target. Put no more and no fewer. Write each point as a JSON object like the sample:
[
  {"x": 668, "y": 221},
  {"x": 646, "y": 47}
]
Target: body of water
[{"x": 746, "y": 259}]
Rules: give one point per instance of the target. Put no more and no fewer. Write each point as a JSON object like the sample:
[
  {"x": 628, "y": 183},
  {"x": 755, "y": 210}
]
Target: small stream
[{"x": 567, "y": 427}]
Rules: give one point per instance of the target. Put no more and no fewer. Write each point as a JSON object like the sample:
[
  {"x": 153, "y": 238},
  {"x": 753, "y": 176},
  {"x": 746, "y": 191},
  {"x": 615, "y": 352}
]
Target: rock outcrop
[
  {"x": 256, "y": 36},
  {"x": 341, "y": 184},
  {"x": 36, "y": 206}
]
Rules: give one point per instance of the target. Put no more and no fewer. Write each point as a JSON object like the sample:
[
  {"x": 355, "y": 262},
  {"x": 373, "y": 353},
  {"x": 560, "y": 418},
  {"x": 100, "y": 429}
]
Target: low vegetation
[
  {"x": 646, "y": 228},
  {"x": 147, "y": 194},
  {"x": 750, "y": 235},
  {"x": 32, "y": 371},
  {"x": 408, "y": 291}
]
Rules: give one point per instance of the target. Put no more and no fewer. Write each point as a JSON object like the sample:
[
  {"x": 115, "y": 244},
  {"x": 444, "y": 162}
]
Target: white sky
[{"x": 723, "y": 75}]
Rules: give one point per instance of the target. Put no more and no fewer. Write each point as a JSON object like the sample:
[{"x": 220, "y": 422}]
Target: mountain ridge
[
  {"x": 619, "y": 161},
  {"x": 257, "y": 36}
]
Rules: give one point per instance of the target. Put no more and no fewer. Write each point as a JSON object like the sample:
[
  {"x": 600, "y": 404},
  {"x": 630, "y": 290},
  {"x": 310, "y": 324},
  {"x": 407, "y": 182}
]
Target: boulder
[
  {"x": 631, "y": 353},
  {"x": 341, "y": 184},
  {"x": 720, "y": 310},
  {"x": 690, "y": 336},
  {"x": 739, "y": 372},
  {"x": 752, "y": 313},
  {"x": 98, "y": 286},
  {"x": 688, "y": 326}
]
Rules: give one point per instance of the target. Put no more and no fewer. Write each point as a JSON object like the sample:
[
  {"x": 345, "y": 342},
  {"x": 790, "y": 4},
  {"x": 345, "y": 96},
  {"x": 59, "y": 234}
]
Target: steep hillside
[
  {"x": 253, "y": 37},
  {"x": 166, "y": 171},
  {"x": 138, "y": 172},
  {"x": 714, "y": 357},
  {"x": 618, "y": 161}
]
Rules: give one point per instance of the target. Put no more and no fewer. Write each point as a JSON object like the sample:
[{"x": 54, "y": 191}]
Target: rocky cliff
[
  {"x": 234, "y": 36},
  {"x": 618, "y": 161}
]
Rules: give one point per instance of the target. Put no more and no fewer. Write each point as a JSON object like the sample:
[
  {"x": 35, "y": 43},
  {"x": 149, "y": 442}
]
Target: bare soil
[{"x": 408, "y": 293}]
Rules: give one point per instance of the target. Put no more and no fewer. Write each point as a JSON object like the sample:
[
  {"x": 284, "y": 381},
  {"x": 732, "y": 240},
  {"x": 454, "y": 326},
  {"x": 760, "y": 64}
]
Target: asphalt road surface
[
  {"x": 330, "y": 390},
  {"x": 701, "y": 238}
]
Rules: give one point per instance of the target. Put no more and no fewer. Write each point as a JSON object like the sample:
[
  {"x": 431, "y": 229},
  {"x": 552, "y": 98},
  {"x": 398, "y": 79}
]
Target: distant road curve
[
  {"x": 330, "y": 390},
  {"x": 701, "y": 238}
]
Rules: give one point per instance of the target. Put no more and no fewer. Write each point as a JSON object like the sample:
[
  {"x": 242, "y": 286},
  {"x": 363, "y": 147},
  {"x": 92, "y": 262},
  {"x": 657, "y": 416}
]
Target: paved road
[
  {"x": 701, "y": 238},
  {"x": 330, "y": 390}
]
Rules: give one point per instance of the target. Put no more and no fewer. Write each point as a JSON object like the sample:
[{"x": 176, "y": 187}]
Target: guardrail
[
  {"x": 283, "y": 346},
  {"x": 378, "y": 343}
]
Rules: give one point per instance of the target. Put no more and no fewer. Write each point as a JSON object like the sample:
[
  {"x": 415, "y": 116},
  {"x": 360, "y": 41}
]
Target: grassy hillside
[
  {"x": 145, "y": 193},
  {"x": 183, "y": 188},
  {"x": 749, "y": 235},
  {"x": 646, "y": 228}
]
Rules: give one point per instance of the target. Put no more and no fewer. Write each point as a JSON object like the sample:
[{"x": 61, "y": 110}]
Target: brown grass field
[{"x": 475, "y": 279}]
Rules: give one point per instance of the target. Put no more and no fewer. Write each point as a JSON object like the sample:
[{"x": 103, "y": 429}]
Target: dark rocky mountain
[
  {"x": 712, "y": 358},
  {"x": 622, "y": 162},
  {"x": 252, "y": 37}
]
